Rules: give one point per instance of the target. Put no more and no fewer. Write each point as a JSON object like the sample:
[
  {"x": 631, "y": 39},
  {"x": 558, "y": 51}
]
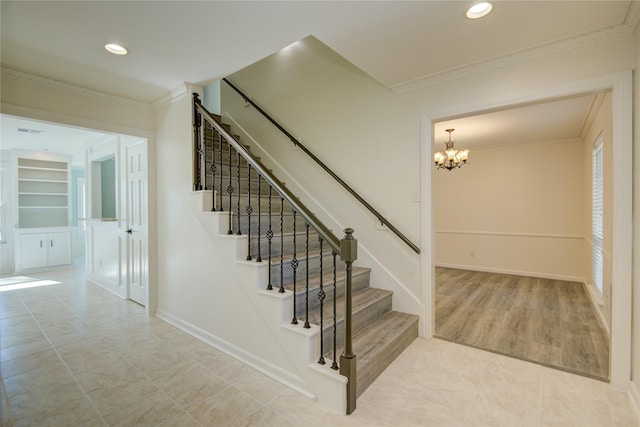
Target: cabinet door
[
  {"x": 33, "y": 251},
  {"x": 59, "y": 248}
]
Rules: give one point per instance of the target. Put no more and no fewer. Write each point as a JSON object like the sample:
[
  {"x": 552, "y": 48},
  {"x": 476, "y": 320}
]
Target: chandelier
[{"x": 451, "y": 158}]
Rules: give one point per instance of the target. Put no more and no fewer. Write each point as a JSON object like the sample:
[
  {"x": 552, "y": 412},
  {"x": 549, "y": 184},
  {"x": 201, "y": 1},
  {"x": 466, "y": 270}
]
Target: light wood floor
[{"x": 545, "y": 321}]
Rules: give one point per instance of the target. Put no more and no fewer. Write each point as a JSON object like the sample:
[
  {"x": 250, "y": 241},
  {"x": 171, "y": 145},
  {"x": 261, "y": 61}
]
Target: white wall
[
  {"x": 515, "y": 209},
  {"x": 39, "y": 98},
  {"x": 201, "y": 288}
]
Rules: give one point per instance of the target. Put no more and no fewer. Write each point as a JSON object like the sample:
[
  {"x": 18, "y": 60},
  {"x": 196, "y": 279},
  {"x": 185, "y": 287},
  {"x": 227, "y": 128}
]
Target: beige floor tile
[
  {"x": 123, "y": 401},
  {"x": 19, "y": 365},
  {"x": 118, "y": 374},
  {"x": 264, "y": 417},
  {"x": 51, "y": 374},
  {"x": 224, "y": 408},
  {"x": 137, "y": 370},
  {"x": 260, "y": 387},
  {"x": 152, "y": 411},
  {"x": 298, "y": 409},
  {"x": 501, "y": 410},
  {"x": 24, "y": 349},
  {"x": 54, "y": 400},
  {"x": 192, "y": 385}
]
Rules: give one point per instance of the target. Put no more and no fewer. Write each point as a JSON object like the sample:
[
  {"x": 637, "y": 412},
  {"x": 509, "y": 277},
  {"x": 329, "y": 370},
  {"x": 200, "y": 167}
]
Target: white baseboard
[
  {"x": 634, "y": 397},
  {"x": 596, "y": 303},
  {"x": 274, "y": 372},
  {"x": 512, "y": 272}
]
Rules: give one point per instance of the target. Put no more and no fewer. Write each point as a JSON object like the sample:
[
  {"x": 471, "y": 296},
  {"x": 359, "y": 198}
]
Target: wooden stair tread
[
  {"x": 327, "y": 279},
  {"x": 360, "y": 300},
  {"x": 374, "y": 339},
  {"x": 380, "y": 343}
]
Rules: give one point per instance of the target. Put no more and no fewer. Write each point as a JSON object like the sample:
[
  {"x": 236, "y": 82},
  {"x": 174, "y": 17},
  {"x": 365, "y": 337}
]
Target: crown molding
[
  {"x": 70, "y": 88},
  {"x": 179, "y": 92},
  {"x": 594, "y": 108},
  {"x": 549, "y": 49}
]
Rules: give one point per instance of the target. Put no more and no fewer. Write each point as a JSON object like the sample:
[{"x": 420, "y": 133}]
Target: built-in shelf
[{"x": 43, "y": 193}]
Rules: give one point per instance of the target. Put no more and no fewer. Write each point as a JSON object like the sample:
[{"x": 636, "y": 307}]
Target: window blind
[{"x": 597, "y": 228}]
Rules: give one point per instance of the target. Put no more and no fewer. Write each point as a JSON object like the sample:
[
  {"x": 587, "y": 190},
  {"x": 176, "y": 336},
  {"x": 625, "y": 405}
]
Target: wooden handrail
[{"x": 351, "y": 191}]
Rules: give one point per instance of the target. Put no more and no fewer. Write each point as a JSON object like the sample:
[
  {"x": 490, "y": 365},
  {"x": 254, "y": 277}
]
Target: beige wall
[
  {"x": 635, "y": 359},
  {"x": 515, "y": 209}
]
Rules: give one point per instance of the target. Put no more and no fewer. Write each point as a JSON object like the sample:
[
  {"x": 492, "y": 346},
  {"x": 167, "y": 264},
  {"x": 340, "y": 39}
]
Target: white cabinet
[
  {"x": 43, "y": 209},
  {"x": 38, "y": 250}
]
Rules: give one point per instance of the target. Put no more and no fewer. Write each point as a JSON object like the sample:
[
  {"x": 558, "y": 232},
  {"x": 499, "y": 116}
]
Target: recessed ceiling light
[
  {"x": 479, "y": 10},
  {"x": 116, "y": 49}
]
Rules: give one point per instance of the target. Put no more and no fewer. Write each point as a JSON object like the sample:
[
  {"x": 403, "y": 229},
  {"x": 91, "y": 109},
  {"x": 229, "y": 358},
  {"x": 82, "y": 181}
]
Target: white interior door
[{"x": 136, "y": 206}]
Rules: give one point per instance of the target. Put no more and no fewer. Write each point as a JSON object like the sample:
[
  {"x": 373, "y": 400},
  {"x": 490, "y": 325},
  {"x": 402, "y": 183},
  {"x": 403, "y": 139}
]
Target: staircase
[{"x": 300, "y": 262}]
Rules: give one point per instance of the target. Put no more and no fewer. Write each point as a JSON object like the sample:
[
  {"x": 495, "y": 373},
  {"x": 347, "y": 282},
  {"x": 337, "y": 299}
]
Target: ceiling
[
  {"x": 23, "y": 134},
  {"x": 398, "y": 43},
  {"x": 556, "y": 120}
]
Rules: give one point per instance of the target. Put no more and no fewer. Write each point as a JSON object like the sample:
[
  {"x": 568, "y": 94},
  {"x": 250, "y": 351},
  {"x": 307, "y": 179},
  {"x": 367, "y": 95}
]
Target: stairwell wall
[
  {"x": 204, "y": 285},
  {"x": 635, "y": 356}
]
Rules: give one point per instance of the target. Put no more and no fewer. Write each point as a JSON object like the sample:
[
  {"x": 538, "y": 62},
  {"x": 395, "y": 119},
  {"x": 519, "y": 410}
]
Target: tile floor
[{"x": 74, "y": 355}]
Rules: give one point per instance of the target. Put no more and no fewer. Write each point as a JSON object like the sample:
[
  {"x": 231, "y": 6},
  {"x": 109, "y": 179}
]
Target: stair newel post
[
  {"x": 197, "y": 151},
  {"x": 348, "y": 254},
  {"x": 238, "y": 196}
]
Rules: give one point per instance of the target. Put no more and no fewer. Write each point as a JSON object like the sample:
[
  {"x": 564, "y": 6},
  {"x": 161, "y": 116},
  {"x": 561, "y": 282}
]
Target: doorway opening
[
  {"x": 619, "y": 190},
  {"x": 81, "y": 179},
  {"x": 513, "y": 251}
]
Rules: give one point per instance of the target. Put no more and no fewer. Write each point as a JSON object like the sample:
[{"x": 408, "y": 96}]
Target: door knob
[{"x": 130, "y": 231}]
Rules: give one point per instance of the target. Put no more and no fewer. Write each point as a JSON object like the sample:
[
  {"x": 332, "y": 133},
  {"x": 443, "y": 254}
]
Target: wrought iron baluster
[
  {"x": 221, "y": 163},
  {"x": 334, "y": 365},
  {"x": 281, "y": 245},
  {"x": 321, "y": 296},
  {"x": 238, "y": 196},
  {"x": 306, "y": 293},
  {"x": 230, "y": 189},
  {"x": 294, "y": 268},
  {"x": 259, "y": 258},
  {"x": 269, "y": 237},
  {"x": 249, "y": 210},
  {"x": 213, "y": 168}
]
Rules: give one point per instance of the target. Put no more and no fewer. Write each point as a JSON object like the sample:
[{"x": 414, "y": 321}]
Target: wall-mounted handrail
[{"x": 298, "y": 144}]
